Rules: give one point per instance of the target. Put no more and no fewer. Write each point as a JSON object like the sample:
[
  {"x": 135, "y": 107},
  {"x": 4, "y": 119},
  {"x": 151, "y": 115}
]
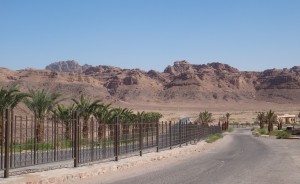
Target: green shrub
[
  {"x": 256, "y": 134},
  {"x": 259, "y": 131},
  {"x": 262, "y": 131},
  {"x": 230, "y": 129},
  {"x": 280, "y": 134},
  {"x": 283, "y": 135},
  {"x": 274, "y": 132},
  {"x": 212, "y": 138},
  {"x": 64, "y": 143}
]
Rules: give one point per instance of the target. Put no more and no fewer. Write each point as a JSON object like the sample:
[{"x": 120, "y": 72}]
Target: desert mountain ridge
[{"x": 182, "y": 82}]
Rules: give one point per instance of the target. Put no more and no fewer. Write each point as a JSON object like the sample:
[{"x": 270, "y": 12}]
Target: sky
[{"x": 251, "y": 35}]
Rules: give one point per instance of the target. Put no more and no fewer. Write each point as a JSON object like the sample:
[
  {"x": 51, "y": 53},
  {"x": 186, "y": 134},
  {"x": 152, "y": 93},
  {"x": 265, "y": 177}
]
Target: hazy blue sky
[{"x": 150, "y": 34}]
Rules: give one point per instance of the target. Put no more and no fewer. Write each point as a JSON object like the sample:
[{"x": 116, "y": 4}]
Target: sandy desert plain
[{"x": 240, "y": 112}]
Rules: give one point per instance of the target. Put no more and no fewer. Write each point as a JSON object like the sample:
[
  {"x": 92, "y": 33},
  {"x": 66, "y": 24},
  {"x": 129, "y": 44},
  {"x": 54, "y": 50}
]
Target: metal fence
[{"x": 26, "y": 141}]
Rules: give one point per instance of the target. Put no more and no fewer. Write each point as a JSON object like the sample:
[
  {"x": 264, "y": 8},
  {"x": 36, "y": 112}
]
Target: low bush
[
  {"x": 212, "y": 138},
  {"x": 280, "y": 134},
  {"x": 256, "y": 134},
  {"x": 283, "y": 135},
  {"x": 274, "y": 132},
  {"x": 230, "y": 129},
  {"x": 259, "y": 131},
  {"x": 262, "y": 131}
]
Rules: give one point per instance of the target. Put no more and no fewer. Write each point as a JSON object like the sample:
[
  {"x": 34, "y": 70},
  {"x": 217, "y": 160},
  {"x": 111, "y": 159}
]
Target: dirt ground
[{"x": 240, "y": 112}]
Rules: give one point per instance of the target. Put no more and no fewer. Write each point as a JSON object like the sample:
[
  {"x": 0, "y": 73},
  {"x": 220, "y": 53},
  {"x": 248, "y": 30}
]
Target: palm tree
[
  {"x": 227, "y": 120},
  {"x": 86, "y": 108},
  {"x": 102, "y": 114},
  {"x": 271, "y": 117},
  {"x": 9, "y": 99},
  {"x": 280, "y": 120},
  {"x": 41, "y": 103},
  {"x": 205, "y": 118},
  {"x": 65, "y": 115},
  {"x": 152, "y": 116},
  {"x": 261, "y": 118},
  {"x": 139, "y": 116},
  {"x": 119, "y": 113},
  {"x": 115, "y": 115}
]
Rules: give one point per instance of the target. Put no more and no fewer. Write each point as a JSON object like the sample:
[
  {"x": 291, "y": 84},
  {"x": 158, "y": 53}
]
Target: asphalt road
[{"x": 240, "y": 159}]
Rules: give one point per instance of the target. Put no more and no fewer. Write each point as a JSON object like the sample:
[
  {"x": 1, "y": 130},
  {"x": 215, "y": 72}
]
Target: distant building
[{"x": 287, "y": 118}]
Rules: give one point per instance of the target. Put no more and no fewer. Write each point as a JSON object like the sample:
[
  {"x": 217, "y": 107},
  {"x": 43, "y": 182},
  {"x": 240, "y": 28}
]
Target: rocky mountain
[
  {"x": 67, "y": 66},
  {"x": 213, "y": 83}
]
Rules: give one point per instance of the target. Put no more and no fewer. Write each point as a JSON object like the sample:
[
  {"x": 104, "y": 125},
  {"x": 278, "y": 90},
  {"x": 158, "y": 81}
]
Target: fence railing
[{"x": 26, "y": 141}]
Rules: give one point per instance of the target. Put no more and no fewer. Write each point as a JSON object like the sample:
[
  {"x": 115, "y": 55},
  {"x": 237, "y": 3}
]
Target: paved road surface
[{"x": 242, "y": 159}]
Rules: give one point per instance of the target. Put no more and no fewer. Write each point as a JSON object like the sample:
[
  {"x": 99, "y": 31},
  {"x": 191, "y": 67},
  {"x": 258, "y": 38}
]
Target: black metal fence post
[
  {"x": 55, "y": 137},
  {"x": 186, "y": 133},
  {"x": 198, "y": 133},
  {"x": 141, "y": 137},
  {"x": 92, "y": 139},
  {"x": 116, "y": 140},
  {"x": 162, "y": 133},
  {"x": 76, "y": 138},
  {"x": 180, "y": 136},
  {"x": 157, "y": 136},
  {"x": 35, "y": 141},
  {"x": 2, "y": 141},
  {"x": 7, "y": 143},
  {"x": 104, "y": 147},
  {"x": 191, "y": 133},
  {"x": 170, "y": 129},
  {"x": 11, "y": 135}
]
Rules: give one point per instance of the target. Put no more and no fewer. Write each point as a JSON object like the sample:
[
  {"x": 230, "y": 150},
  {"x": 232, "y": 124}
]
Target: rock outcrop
[
  {"x": 67, "y": 66},
  {"x": 212, "y": 82}
]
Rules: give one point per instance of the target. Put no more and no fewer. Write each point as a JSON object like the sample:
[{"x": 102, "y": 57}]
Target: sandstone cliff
[{"x": 182, "y": 82}]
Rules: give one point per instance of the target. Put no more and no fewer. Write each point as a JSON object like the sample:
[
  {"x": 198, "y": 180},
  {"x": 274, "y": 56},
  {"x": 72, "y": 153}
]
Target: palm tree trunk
[
  {"x": 270, "y": 127},
  {"x": 280, "y": 125},
  {"x": 111, "y": 130},
  {"x": 40, "y": 131},
  {"x": 1, "y": 129},
  {"x": 100, "y": 131},
  {"x": 85, "y": 129},
  {"x": 261, "y": 124},
  {"x": 2, "y": 138},
  {"x": 68, "y": 131}
]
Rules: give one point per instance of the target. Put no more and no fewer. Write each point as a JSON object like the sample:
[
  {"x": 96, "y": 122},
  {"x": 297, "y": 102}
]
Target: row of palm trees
[
  {"x": 268, "y": 117},
  {"x": 206, "y": 117},
  {"x": 9, "y": 99},
  {"x": 42, "y": 103}
]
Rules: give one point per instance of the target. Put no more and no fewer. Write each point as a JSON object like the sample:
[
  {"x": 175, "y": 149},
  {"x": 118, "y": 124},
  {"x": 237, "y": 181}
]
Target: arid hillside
[
  {"x": 181, "y": 90},
  {"x": 213, "y": 83}
]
